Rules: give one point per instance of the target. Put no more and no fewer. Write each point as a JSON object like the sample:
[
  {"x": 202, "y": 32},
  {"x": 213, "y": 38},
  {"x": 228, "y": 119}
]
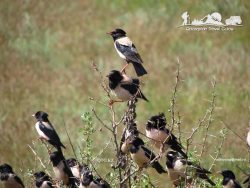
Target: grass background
[{"x": 47, "y": 48}]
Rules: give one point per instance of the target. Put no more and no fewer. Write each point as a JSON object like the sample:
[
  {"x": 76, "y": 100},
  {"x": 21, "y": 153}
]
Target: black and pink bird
[
  {"x": 9, "y": 178},
  {"x": 177, "y": 167},
  {"x": 43, "y": 180},
  {"x": 62, "y": 170},
  {"x": 160, "y": 136},
  {"x": 46, "y": 130},
  {"x": 229, "y": 179},
  {"x": 142, "y": 156},
  {"x": 124, "y": 87},
  {"x": 127, "y": 50}
]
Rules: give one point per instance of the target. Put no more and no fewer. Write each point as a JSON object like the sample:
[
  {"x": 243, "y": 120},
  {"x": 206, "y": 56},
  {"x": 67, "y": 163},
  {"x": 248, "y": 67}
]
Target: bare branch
[
  {"x": 211, "y": 111},
  {"x": 99, "y": 119},
  {"x": 173, "y": 100},
  {"x": 72, "y": 147},
  {"x": 218, "y": 149}
]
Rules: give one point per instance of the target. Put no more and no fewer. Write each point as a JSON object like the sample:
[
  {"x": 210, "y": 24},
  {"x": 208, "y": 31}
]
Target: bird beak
[
  {"x": 33, "y": 115},
  {"x": 109, "y": 33}
]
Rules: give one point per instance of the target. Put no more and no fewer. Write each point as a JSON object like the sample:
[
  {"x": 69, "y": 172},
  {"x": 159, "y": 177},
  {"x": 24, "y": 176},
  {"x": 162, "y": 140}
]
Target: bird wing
[
  {"x": 173, "y": 141},
  {"x": 197, "y": 167},
  {"x": 172, "y": 136},
  {"x": 134, "y": 88},
  {"x": 129, "y": 51},
  {"x": 149, "y": 154},
  {"x": 67, "y": 171},
  {"x": 186, "y": 162},
  {"x": 18, "y": 180},
  {"x": 123, "y": 136},
  {"x": 237, "y": 184},
  {"x": 49, "y": 184},
  {"x": 50, "y": 132},
  {"x": 131, "y": 87}
]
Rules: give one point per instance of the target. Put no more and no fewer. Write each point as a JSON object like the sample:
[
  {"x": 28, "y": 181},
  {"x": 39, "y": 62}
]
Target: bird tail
[
  {"x": 59, "y": 147},
  {"x": 183, "y": 154},
  {"x": 157, "y": 166},
  {"x": 246, "y": 180},
  {"x": 139, "y": 69},
  {"x": 178, "y": 148},
  {"x": 72, "y": 182},
  {"x": 210, "y": 181},
  {"x": 140, "y": 95},
  {"x": 63, "y": 146}
]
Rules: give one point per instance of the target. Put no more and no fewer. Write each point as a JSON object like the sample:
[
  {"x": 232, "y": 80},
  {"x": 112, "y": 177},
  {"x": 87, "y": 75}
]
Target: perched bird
[
  {"x": 248, "y": 137},
  {"x": 75, "y": 167},
  {"x": 46, "y": 130},
  {"x": 158, "y": 133},
  {"x": 42, "y": 180},
  {"x": 9, "y": 178},
  {"x": 87, "y": 180},
  {"x": 127, "y": 135},
  {"x": 61, "y": 169},
  {"x": 229, "y": 179},
  {"x": 176, "y": 167},
  {"x": 127, "y": 50},
  {"x": 142, "y": 156},
  {"x": 124, "y": 90}
]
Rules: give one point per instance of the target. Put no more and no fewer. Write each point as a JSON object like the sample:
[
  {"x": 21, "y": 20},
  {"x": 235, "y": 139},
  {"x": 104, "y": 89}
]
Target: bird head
[
  {"x": 117, "y": 33},
  {"x": 157, "y": 122},
  {"x": 5, "y": 168},
  {"x": 115, "y": 76},
  {"x": 227, "y": 174},
  {"x": 72, "y": 162},
  {"x": 136, "y": 141},
  {"x": 171, "y": 155},
  {"x": 86, "y": 177},
  {"x": 56, "y": 157},
  {"x": 41, "y": 116},
  {"x": 41, "y": 176}
]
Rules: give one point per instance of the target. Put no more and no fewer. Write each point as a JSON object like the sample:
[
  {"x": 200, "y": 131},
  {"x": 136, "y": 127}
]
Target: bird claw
[
  {"x": 123, "y": 69},
  {"x": 111, "y": 102}
]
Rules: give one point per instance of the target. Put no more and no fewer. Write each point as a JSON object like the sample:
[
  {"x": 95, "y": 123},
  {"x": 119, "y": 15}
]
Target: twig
[
  {"x": 40, "y": 160},
  {"x": 211, "y": 111},
  {"x": 90, "y": 161},
  {"x": 228, "y": 127},
  {"x": 194, "y": 130},
  {"x": 179, "y": 127},
  {"x": 137, "y": 170},
  {"x": 102, "y": 150},
  {"x": 190, "y": 139},
  {"x": 173, "y": 100},
  {"x": 117, "y": 148},
  {"x": 99, "y": 119},
  {"x": 218, "y": 150},
  {"x": 103, "y": 84},
  {"x": 72, "y": 147}
]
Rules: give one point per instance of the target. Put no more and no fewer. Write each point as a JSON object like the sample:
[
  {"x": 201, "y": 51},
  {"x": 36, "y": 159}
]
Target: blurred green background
[{"x": 47, "y": 48}]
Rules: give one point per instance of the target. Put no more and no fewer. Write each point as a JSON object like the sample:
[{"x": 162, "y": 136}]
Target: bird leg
[
  {"x": 123, "y": 69},
  {"x": 111, "y": 102}
]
